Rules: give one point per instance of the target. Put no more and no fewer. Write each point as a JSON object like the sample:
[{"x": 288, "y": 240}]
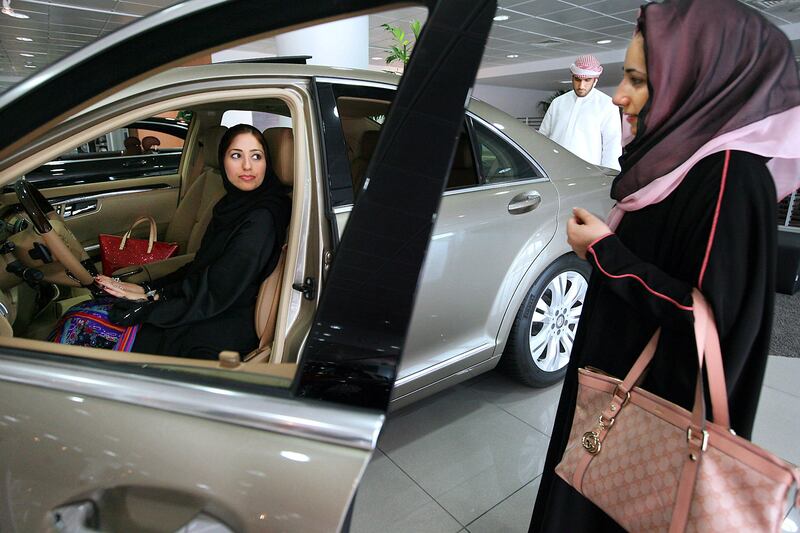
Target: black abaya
[
  {"x": 642, "y": 279},
  {"x": 209, "y": 305}
]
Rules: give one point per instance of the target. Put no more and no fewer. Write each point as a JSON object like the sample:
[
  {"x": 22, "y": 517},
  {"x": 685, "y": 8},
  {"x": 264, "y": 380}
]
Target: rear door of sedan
[
  {"x": 130, "y": 443},
  {"x": 498, "y": 212}
]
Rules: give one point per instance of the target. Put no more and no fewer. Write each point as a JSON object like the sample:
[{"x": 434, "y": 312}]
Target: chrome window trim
[
  {"x": 510, "y": 141},
  {"x": 490, "y": 186},
  {"x": 466, "y": 190},
  {"x": 60, "y": 162},
  {"x": 315, "y": 421},
  {"x": 361, "y": 83},
  {"x": 109, "y": 194}
]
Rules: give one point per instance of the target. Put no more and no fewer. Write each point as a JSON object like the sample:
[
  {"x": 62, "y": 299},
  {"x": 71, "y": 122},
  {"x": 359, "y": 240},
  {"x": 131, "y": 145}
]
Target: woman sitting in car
[{"x": 208, "y": 305}]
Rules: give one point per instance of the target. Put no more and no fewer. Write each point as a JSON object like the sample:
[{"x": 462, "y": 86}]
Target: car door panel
[
  {"x": 478, "y": 255},
  {"x": 170, "y": 456},
  {"x": 114, "y": 212}
]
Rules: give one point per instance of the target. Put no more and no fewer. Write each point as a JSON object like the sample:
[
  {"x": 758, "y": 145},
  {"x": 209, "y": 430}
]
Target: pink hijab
[{"x": 721, "y": 77}]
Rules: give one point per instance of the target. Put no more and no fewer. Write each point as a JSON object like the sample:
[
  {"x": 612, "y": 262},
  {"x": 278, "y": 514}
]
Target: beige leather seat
[
  {"x": 358, "y": 167},
  {"x": 281, "y": 149},
  {"x": 191, "y": 218},
  {"x": 194, "y": 212}
]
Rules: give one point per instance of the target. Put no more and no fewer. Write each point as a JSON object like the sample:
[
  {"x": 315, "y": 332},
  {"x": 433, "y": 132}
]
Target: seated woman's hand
[
  {"x": 583, "y": 228},
  {"x": 120, "y": 289}
]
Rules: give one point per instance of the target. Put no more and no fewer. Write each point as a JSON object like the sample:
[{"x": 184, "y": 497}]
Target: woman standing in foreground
[{"x": 711, "y": 95}]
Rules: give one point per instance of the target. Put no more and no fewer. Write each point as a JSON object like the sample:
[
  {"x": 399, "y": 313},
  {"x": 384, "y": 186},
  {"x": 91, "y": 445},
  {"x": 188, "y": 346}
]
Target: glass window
[
  {"x": 362, "y": 111},
  {"x": 147, "y": 147},
  {"x": 500, "y": 161}
]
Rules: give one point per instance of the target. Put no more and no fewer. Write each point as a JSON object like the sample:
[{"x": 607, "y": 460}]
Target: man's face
[{"x": 582, "y": 86}]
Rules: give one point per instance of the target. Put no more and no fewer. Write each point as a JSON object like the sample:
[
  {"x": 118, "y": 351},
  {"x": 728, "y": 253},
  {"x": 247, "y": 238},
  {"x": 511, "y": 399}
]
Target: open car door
[{"x": 113, "y": 445}]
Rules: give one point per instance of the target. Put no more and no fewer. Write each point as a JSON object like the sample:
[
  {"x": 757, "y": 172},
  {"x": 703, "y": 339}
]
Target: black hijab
[
  {"x": 713, "y": 67},
  {"x": 236, "y": 203}
]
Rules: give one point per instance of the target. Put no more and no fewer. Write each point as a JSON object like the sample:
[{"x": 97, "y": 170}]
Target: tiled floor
[{"x": 469, "y": 458}]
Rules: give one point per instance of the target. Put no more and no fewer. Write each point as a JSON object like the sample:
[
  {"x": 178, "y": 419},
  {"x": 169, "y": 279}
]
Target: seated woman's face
[{"x": 245, "y": 162}]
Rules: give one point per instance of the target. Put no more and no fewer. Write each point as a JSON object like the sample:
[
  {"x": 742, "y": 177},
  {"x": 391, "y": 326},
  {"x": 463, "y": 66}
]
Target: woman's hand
[
  {"x": 120, "y": 289},
  {"x": 583, "y": 228}
]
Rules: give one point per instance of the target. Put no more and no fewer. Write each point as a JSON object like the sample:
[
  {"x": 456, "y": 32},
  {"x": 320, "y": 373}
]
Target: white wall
[{"x": 516, "y": 102}]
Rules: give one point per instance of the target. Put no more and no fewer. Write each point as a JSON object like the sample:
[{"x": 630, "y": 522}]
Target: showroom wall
[{"x": 516, "y": 102}]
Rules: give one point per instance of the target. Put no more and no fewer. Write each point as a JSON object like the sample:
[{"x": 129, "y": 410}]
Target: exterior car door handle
[{"x": 524, "y": 202}]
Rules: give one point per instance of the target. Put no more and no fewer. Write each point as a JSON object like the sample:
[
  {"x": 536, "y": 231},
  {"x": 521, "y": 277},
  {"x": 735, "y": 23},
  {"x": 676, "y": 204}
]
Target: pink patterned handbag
[{"x": 654, "y": 466}]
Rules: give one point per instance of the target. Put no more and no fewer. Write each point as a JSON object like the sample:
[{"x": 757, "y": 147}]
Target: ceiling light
[
  {"x": 25, "y": 39},
  {"x": 500, "y": 18},
  {"x": 604, "y": 41},
  {"x": 8, "y": 10},
  {"x": 512, "y": 56},
  {"x": 25, "y": 54},
  {"x": 565, "y": 81},
  {"x": 376, "y": 58},
  {"x": 30, "y": 66}
]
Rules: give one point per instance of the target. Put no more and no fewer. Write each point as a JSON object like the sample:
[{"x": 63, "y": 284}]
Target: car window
[
  {"x": 501, "y": 162},
  {"x": 150, "y": 147},
  {"x": 362, "y": 112}
]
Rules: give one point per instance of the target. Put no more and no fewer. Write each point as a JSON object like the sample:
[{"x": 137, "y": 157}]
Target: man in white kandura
[{"x": 584, "y": 121}]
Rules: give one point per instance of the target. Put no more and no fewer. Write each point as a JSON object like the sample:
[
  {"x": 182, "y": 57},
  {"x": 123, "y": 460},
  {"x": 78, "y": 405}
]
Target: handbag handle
[
  {"x": 152, "y": 238},
  {"x": 708, "y": 350}
]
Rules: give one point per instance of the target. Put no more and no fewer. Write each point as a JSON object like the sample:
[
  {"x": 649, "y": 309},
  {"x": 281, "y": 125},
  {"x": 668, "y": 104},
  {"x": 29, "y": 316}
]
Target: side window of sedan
[
  {"x": 149, "y": 147},
  {"x": 500, "y": 161},
  {"x": 361, "y": 112}
]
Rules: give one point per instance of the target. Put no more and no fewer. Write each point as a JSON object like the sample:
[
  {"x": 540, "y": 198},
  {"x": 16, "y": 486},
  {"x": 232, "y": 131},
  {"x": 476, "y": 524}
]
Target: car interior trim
[
  {"x": 98, "y": 196},
  {"x": 306, "y": 419}
]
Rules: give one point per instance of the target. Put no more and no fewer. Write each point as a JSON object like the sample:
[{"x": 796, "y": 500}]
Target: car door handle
[{"x": 524, "y": 202}]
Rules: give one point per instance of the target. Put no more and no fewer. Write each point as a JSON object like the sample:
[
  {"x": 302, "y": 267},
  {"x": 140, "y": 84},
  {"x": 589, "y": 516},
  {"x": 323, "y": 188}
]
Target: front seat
[
  {"x": 193, "y": 214},
  {"x": 358, "y": 167},
  {"x": 280, "y": 142}
]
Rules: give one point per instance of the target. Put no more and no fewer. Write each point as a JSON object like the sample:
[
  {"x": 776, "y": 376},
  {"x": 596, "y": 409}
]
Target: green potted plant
[{"x": 402, "y": 47}]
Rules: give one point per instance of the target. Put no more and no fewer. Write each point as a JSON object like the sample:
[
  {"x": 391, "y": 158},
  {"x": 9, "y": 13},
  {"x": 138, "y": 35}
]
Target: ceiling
[{"x": 531, "y": 48}]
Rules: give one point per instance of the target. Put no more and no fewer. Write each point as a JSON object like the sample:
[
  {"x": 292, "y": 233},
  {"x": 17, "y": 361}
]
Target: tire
[{"x": 540, "y": 341}]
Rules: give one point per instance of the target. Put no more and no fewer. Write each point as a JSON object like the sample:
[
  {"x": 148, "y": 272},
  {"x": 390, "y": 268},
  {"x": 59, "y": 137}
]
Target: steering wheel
[{"x": 63, "y": 245}]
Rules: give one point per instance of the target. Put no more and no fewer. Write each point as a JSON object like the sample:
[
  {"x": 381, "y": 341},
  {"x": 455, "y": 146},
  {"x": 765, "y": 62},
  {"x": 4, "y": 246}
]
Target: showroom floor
[{"x": 469, "y": 459}]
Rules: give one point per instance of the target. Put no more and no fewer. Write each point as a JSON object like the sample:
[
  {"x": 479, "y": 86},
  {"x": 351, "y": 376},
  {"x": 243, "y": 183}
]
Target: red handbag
[{"x": 119, "y": 252}]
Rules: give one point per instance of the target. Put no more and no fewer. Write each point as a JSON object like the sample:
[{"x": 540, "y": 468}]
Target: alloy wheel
[{"x": 555, "y": 320}]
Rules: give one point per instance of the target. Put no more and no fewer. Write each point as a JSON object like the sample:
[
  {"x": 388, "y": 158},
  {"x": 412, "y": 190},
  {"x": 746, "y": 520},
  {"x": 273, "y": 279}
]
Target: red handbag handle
[{"x": 152, "y": 238}]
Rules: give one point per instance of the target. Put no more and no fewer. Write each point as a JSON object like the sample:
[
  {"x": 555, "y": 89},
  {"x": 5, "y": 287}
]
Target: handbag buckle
[
  {"x": 703, "y": 442},
  {"x": 625, "y": 399}
]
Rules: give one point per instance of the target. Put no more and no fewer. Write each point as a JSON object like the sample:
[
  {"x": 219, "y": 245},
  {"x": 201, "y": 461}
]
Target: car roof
[{"x": 216, "y": 71}]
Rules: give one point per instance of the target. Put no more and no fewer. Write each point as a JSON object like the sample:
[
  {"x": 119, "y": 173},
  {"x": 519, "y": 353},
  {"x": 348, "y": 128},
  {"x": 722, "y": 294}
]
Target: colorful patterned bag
[{"x": 87, "y": 324}]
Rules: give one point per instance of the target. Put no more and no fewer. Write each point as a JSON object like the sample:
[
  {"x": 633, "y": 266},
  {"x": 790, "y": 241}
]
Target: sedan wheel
[
  {"x": 540, "y": 342},
  {"x": 555, "y": 319}
]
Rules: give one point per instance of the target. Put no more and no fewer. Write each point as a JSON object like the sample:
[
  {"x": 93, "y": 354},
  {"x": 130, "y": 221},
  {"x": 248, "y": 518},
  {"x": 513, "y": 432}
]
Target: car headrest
[
  {"x": 210, "y": 139},
  {"x": 369, "y": 140},
  {"x": 281, "y": 149},
  {"x": 463, "y": 155}
]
